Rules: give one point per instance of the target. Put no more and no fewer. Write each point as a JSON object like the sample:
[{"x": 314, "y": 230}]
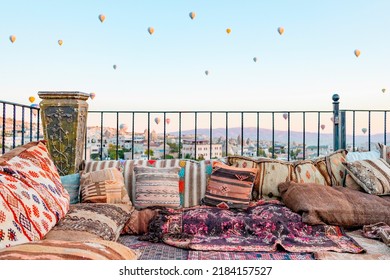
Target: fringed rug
[{"x": 213, "y": 255}]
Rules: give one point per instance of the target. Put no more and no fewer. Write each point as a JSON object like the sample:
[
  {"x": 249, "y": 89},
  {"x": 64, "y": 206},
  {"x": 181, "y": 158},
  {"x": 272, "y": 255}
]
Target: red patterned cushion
[
  {"x": 230, "y": 187},
  {"x": 32, "y": 198}
]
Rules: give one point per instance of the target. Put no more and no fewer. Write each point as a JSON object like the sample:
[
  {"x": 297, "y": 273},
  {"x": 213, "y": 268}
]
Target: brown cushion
[
  {"x": 86, "y": 221},
  {"x": 103, "y": 186},
  {"x": 229, "y": 186},
  {"x": 69, "y": 250},
  {"x": 139, "y": 221},
  {"x": 351, "y": 184},
  {"x": 335, "y": 167},
  {"x": 334, "y": 205}
]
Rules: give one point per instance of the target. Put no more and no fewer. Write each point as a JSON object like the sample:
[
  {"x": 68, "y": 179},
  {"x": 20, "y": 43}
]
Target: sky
[{"x": 299, "y": 70}]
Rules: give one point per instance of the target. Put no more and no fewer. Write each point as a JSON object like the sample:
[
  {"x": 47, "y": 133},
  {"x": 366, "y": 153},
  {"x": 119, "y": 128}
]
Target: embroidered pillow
[
  {"x": 103, "y": 186},
  {"x": 384, "y": 152},
  {"x": 306, "y": 171},
  {"x": 156, "y": 187},
  {"x": 230, "y": 187},
  {"x": 372, "y": 175},
  {"x": 72, "y": 184}
]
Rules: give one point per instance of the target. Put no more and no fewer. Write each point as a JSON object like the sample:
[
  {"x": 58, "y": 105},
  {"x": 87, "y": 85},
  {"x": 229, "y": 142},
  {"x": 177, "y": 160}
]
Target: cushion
[
  {"x": 139, "y": 221},
  {"x": 384, "y": 152},
  {"x": 103, "y": 186},
  {"x": 306, "y": 171},
  {"x": 335, "y": 168},
  {"x": 68, "y": 250},
  {"x": 271, "y": 173},
  {"x": 334, "y": 205},
  {"x": 351, "y": 184},
  {"x": 354, "y": 156},
  {"x": 156, "y": 187},
  {"x": 230, "y": 187},
  {"x": 87, "y": 221},
  {"x": 32, "y": 198},
  {"x": 71, "y": 183},
  {"x": 372, "y": 175}
]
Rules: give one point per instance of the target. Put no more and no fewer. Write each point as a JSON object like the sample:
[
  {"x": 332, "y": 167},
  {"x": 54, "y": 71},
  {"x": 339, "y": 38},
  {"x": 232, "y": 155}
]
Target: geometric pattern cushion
[
  {"x": 103, "y": 186},
  {"x": 335, "y": 167},
  {"x": 32, "y": 198},
  {"x": 229, "y": 186},
  {"x": 87, "y": 221},
  {"x": 306, "y": 171},
  {"x": 156, "y": 187},
  {"x": 372, "y": 175},
  {"x": 384, "y": 152}
]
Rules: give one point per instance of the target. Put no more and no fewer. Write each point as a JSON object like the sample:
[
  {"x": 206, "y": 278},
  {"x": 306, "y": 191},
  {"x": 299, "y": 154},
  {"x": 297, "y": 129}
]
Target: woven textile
[
  {"x": 213, "y": 255},
  {"x": 72, "y": 184},
  {"x": 372, "y": 175},
  {"x": 86, "y": 221},
  {"x": 103, "y": 186},
  {"x": 32, "y": 198},
  {"x": 335, "y": 168},
  {"x": 138, "y": 222},
  {"x": 156, "y": 187},
  {"x": 306, "y": 171},
  {"x": 65, "y": 250},
  {"x": 230, "y": 187}
]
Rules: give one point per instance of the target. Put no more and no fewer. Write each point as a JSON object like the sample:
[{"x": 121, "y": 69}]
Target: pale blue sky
[{"x": 299, "y": 70}]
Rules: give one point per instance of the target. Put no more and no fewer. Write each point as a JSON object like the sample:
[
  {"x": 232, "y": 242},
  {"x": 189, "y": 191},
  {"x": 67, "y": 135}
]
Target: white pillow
[{"x": 354, "y": 156}]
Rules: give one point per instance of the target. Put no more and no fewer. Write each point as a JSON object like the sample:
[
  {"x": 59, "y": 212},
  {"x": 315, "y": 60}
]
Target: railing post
[
  {"x": 336, "y": 120},
  {"x": 343, "y": 133}
]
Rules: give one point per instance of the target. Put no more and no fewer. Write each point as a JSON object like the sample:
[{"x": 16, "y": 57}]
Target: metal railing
[
  {"x": 288, "y": 135},
  {"x": 20, "y": 124}
]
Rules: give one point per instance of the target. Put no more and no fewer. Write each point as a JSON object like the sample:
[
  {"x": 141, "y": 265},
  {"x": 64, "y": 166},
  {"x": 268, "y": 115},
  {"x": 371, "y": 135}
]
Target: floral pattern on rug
[{"x": 264, "y": 227}]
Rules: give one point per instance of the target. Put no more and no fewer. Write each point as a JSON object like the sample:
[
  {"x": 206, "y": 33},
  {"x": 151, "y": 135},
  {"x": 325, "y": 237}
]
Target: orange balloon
[
  {"x": 281, "y": 30},
  {"x": 357, "y": 53},
  {"x": 60, "y": 42},
  {"x": 192, "y": 15},
  {"x": 12, "y": 38},
  {"x": 228, "y": 31},
  {"x": 31, "y": 99},
  {"x": 151, "y": 30},
  {"x": 102, "y": 18}
]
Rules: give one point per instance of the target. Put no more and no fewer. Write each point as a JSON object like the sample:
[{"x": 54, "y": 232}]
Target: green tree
[
  {"x": 150, "y": 152},
  {"x": 262, "y": 153},
  {"x": 112, "y": 152}
]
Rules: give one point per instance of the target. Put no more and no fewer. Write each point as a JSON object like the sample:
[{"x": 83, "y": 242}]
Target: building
[{"x": 202, "y": 148}]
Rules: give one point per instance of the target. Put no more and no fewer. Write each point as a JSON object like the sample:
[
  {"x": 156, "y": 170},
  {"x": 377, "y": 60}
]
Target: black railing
[{"x": 19, "y": 124}]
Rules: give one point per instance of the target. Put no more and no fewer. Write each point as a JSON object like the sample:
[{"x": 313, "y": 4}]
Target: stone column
[{"x": 64, "y": 120}]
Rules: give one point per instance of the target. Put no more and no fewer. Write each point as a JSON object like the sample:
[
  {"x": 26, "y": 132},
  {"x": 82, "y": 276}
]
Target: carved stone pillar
[{"x": 64, "y": 120}]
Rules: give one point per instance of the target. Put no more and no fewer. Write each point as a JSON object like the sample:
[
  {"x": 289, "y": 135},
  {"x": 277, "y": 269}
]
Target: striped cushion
[
  {"x": 103, "y": 186},
  {"x": 156, "y": 187},
  {"x": 372, "y": 175},
  {"x": 230, "y": 187},
  {"x": 69, "y": 250}
]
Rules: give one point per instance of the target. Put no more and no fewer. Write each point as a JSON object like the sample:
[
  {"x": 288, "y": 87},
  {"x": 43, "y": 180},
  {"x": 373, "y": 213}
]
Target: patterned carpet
[{"x": 160, "y": 251}]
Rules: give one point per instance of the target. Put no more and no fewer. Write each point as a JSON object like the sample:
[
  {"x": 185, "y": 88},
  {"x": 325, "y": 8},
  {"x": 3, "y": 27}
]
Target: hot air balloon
[
  {"x": 102, "y": 18},
  {"x": 31, "y": 99},
  {"x": 92, "y": 95},
  {"x": 60, "y": 42},
  {"x": 206, "y": 72},
  {"x": 255, "y": 59},
  {"x": 151, "y": 30},
  {"x": 192, "y": 15},
  {"x": 364, "y": 130},
  {"x": 157, "y": 120},
  {"x": 228, "y": 30},
  {"x": 123, "y": 127},
  {"x": 168, "y": 121},
  {"x": 357, "y": 53},
  {"x": 12, "y": 38},
  {"x": 114, "y": 66},
  {"x": 285, "y": 116},
  {"x": 322, "y": 126},
  {"x": 281, "y": 30},
  {"x": 383, "y": 90}
]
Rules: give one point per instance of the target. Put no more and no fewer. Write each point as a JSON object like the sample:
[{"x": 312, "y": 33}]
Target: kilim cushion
[
  {"x": 229, "y": 186},
  {"x": 335, "y": 168},
  {"x": 87, "y": 221},
  {"x": 384, "y": 152},
  {"x": 156, "y": 187},
  {"x": 72, "y": 184},
  {"x": 138, "y": 222},
  {"x": 103, "y": 186},
  {"x": 372, "y": 175},
  {"x": 32, "y": 198},
  {"x": 69, "y": 250},
  {"x": 306, "y": 171}
]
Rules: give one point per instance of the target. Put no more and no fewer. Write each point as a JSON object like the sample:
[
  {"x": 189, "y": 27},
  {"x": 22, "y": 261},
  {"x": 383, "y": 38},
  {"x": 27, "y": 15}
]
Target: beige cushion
[
  {"x": 372, "y": 175},
  {"x": 272, "y": 172},
  {"x": 103, "y": 186},
  {"x": 306, "y": 171},
  {"x": 384, "y": 152}
]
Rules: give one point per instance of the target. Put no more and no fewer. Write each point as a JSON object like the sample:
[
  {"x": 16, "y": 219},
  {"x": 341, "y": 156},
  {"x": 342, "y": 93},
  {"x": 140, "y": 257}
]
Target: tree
[
  {"x": 262, "y": 153},
  {"x": 174, "y": 148},
  {"x": 112, "y": 152},
  {"x": 187, "y": 156},
  {"x": 150, "y": 152}
]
